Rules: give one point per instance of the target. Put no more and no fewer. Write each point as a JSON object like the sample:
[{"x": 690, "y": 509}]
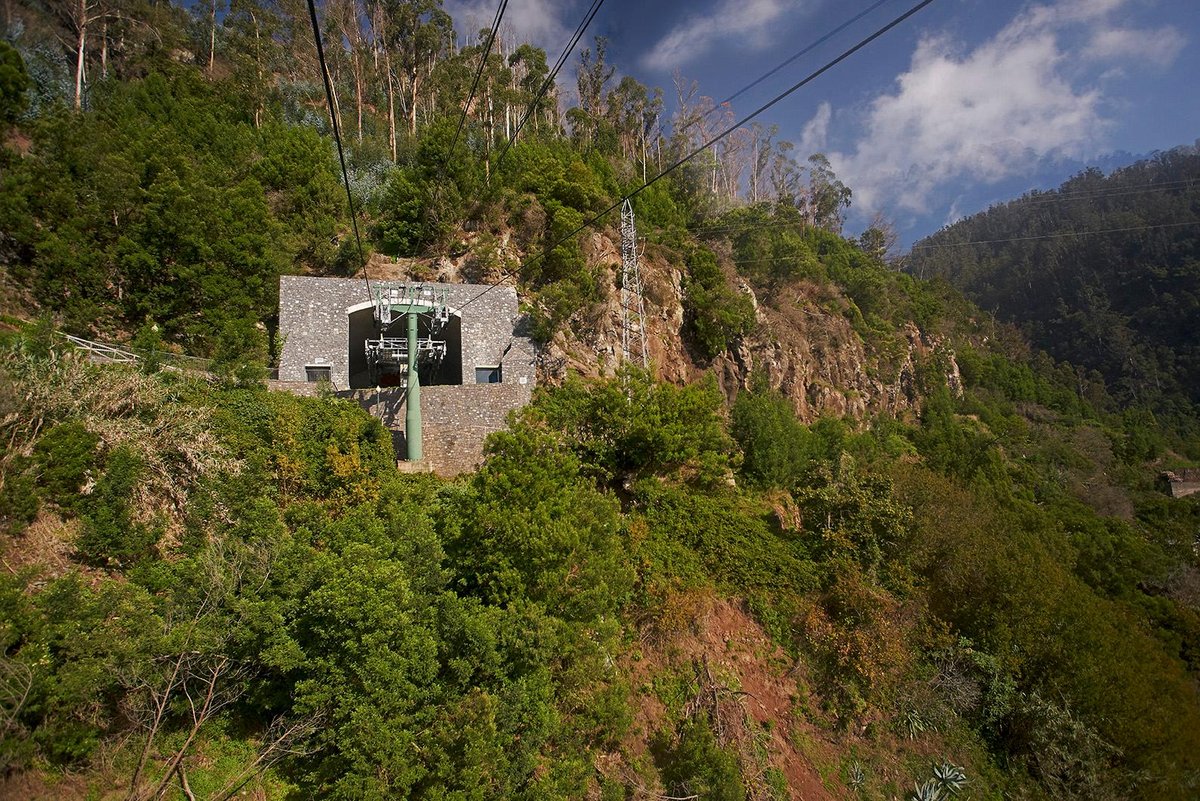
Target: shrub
[
  {"x": 695, "y": 766},
  {"x": 18, "y": 497},
  {"x": 64, "y": 455},
  {"x": 110, "y": 535},
  {"x": 776, "y": 447},
  {"x": 717, "y": 314}
]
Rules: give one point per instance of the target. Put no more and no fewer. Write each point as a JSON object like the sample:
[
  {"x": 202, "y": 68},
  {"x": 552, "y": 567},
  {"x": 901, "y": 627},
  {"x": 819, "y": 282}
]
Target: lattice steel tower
[{"x": 633, "y": 308}]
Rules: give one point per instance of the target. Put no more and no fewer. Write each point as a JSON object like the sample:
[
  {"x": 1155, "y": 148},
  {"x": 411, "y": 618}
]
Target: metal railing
[
  {"x": 101, "y": 351},
  {"x": 113, "y": 354}
]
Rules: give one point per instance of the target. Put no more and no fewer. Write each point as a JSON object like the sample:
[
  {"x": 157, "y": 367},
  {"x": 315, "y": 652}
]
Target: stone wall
[
  {"x": 306, "y": 389},
  {"x": 455, "y": 419},
  {"x": 314, "y": 322},
  {"x": 1181, "y": 483}
]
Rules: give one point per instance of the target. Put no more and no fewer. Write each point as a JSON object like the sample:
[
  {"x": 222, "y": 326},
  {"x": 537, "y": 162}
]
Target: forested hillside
[
  {"x": 964, "y": 585},
  {"x": 1103, "y": 272}
]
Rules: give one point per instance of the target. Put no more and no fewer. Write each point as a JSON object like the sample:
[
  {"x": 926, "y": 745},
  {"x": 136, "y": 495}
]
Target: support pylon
[{"x": 633, "y": 308}]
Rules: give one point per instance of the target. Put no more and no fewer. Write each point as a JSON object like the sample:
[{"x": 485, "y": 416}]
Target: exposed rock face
[{"x": 803, "y": 344}]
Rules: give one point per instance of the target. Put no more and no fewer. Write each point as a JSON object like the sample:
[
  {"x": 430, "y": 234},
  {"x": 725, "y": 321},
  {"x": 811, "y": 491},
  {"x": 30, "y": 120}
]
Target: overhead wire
[
  {"x": 680, "y": 162},
  {"x": 1053, "y": 236},
  {"x": 337, "y": 137},
  {"x": 552, "y": 75},
  {"x": 786, "y": 62},
  {"x": 548, "y": 82},
  {"x": 475, "y": 83}
]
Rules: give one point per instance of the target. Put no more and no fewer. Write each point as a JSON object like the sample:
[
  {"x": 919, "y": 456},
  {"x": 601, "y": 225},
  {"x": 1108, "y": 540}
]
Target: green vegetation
[
  {"x": 717, "y": 314},
  {"x": 358, "y": 633},
  {"x": 1124, "y": 303},
  {"x": 215, "y": 589},
  {"x": 167, "y": 203}
]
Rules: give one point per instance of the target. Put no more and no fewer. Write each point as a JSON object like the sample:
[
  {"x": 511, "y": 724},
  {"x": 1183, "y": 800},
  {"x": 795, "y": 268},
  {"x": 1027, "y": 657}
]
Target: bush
[
  {"x": 402, "y": 227},
  {"x": 64, "y": 456},
  {"x": 695, "y": 766},
  {"x": 717, "y": 314},
  {"x": 110, "y": 535},
  {"x": 776, "y": 447},
  {"x": 634, "y": 426},
  {"x": 18, "y": 497}
]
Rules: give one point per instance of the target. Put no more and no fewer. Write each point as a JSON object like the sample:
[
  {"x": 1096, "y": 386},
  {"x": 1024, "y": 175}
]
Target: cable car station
[{"x": 439, "y": 364}]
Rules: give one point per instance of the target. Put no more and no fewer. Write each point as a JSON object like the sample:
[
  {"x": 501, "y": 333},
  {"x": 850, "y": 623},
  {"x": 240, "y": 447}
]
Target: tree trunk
[
  {"x": 643, "y": 156},
  {"x": 337, "y": 104},
  {"x": 358, "y": 89},
  {"x": 212, "y": 37},
  {"x": 258, "y": 90},
  {"x": 198, "y": 720},
  {"x": 160, "y": 708},
  {"x": 81, "y": 24},
  {"x": 754, "y": 169},
  {"x": 412, "y": 106},
  {"x": 391, "y": 98}
]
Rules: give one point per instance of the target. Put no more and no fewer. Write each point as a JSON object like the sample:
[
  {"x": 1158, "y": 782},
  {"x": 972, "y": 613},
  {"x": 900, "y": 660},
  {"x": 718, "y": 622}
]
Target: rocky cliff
[{"x": 803, "y": 343}]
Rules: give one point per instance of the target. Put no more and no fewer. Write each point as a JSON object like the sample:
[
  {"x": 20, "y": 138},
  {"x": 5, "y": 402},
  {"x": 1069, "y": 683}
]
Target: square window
[
  {"x": 487, "y": 375},
  {"x": 318, "y": 373}
]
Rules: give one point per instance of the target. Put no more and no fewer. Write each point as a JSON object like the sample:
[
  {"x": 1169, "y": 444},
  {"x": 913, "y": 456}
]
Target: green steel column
[{"x": 412, "y": 417}]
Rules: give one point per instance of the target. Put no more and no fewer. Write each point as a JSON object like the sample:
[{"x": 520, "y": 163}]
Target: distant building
[
  {"x": 474, "y": 363},
  {"x": 1183, "y": 482}
]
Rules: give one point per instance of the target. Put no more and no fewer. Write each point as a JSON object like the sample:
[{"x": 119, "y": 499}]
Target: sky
[{"x": 965, "y": 104}]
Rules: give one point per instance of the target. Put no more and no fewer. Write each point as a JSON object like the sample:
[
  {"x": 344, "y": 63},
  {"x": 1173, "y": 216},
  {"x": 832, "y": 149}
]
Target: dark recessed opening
[
  {"x": 313, "y": 373},
  {"x": 447, "y": 370}
]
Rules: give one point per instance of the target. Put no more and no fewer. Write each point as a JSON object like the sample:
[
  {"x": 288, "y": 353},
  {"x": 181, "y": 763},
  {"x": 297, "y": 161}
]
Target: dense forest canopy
[
  {"x": 213, "y": 589},
  {"x": 1103, "y": 272}
]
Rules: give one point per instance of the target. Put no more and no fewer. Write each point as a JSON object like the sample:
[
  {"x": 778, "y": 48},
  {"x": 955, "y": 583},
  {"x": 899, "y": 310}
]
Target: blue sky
[{"x": 967, "y": 103}]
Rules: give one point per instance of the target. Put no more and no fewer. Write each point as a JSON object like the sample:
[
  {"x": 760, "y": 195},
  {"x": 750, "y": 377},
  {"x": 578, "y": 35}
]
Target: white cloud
[
  {"x": 987, "y": 116},
  {"x": 816, "y": 131},
  {"x": 992, "y": 113},
  {"x": 954, "y": 214},
  {"x": 1160, "y": 46},
  {"x": 752, "y": 21},
  {"x": 1065, "y": 12}
]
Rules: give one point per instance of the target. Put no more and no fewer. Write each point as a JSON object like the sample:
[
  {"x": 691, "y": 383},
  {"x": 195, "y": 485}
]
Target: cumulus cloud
[
  {"x": 752, "y": 21},
  {"x": 1160, "y": 46},
  {"x": 993, "y": 112}
]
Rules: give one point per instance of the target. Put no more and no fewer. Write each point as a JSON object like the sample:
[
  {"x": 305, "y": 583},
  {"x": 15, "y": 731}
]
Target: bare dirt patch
[
  {"x": 46, "y": 551},
  {"x": 747, "y": 687}
]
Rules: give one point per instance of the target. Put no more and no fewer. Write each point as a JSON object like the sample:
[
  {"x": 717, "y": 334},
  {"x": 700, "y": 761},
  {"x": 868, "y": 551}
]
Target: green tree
[
  {"x": 718, "y": 315},
  {"x": 14, "y": 82},
  {"x": 111, "y": 535},
  {"x": 776, "y": 447}
]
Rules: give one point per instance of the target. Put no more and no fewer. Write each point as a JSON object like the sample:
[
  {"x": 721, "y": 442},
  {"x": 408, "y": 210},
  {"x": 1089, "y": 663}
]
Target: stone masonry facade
[
  {"x": 1184, "y": 482},
  {"x": 455, "y": 420},
  {"x": 315, "y": 321}
]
